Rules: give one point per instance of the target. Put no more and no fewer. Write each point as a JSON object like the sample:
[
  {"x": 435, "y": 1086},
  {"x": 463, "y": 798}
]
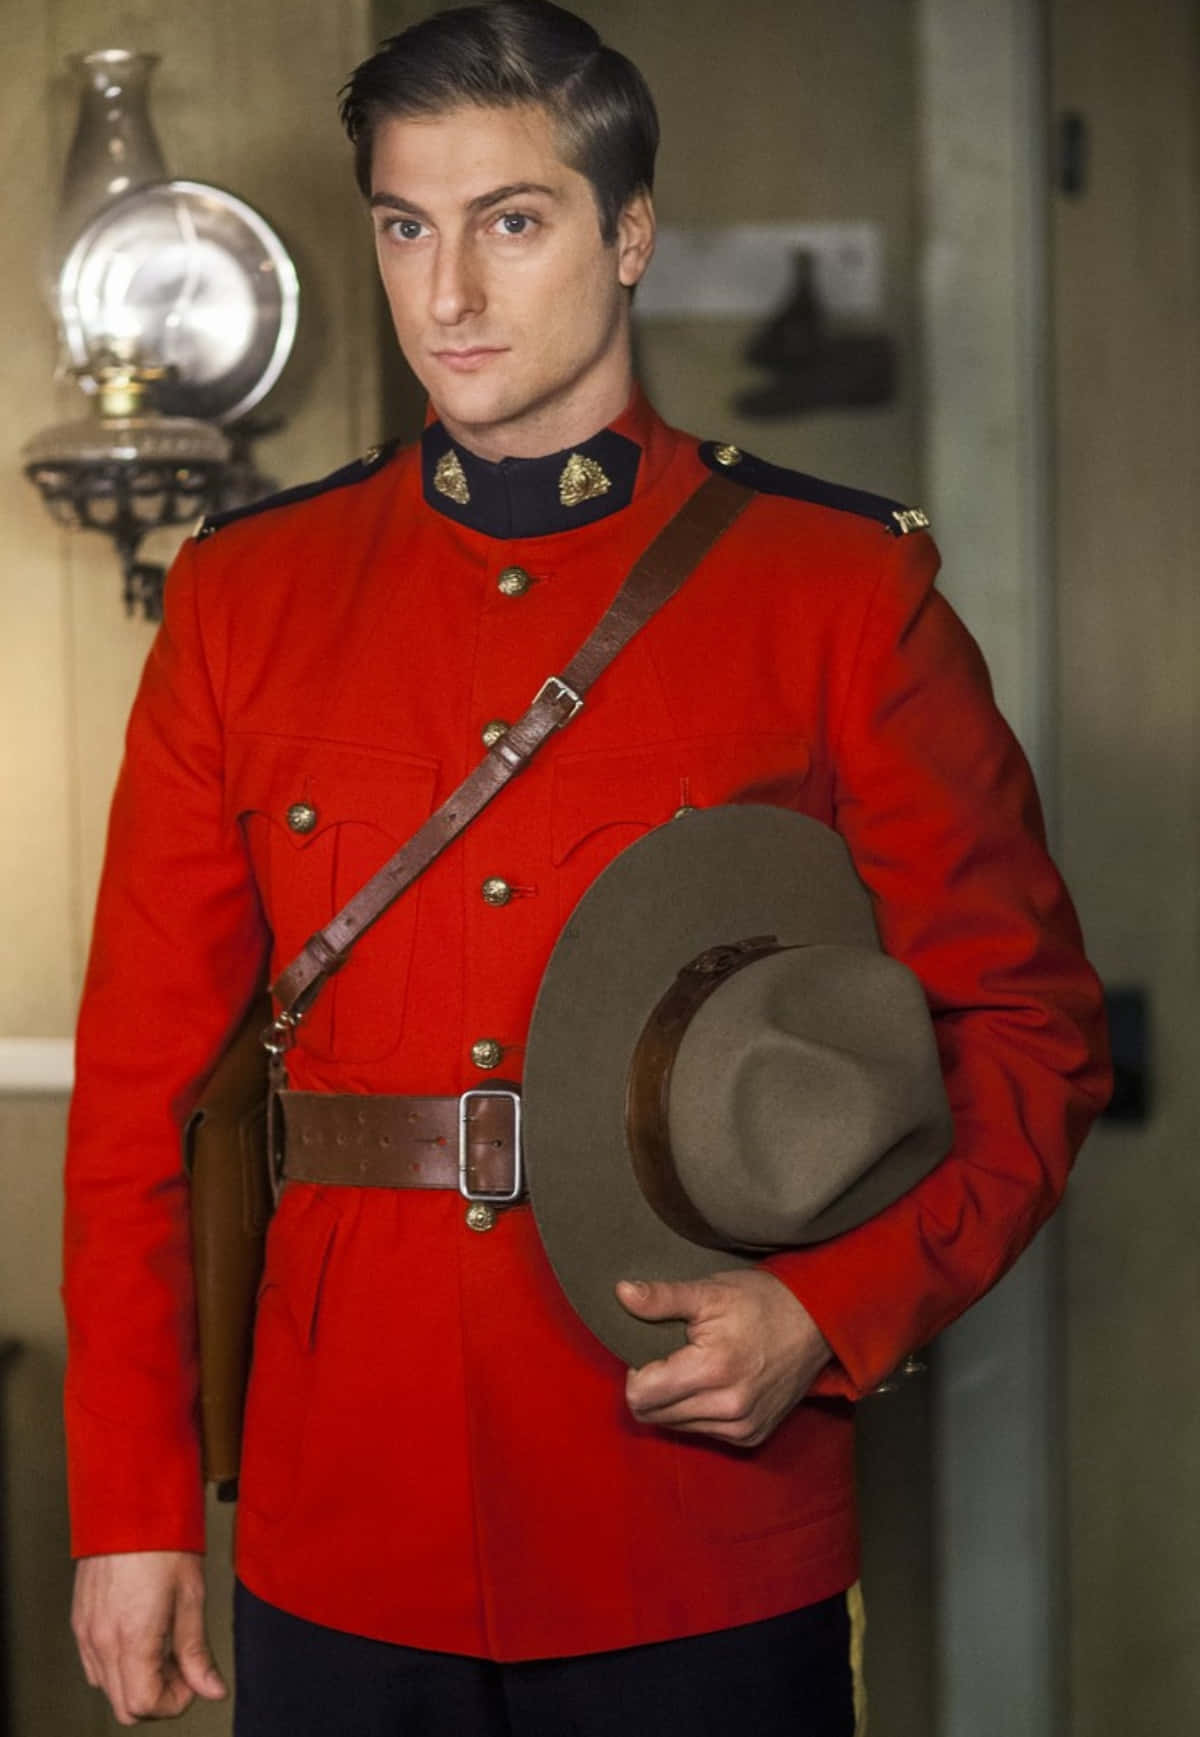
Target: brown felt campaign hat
[{"x": 721, "y": 1063}]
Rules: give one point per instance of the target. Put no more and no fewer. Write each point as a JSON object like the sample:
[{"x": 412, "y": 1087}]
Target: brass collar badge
[
  {"x": 582, "y": 480},
  {"x": 450, "y": 479}
]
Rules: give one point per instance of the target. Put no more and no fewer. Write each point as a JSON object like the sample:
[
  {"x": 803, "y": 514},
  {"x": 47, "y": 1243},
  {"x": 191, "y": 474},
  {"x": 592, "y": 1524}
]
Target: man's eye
[
  {"x": 514, "y": 223},
  {"x": 407, "y": 228}
]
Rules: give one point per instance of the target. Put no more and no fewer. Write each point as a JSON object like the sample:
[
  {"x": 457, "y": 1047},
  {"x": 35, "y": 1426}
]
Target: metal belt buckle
[{"x": 493, "y": 1197}]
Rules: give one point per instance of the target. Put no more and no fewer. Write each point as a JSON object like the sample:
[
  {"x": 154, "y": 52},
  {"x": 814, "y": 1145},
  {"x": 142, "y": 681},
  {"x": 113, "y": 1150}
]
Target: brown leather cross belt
[{"x": 471, "y": 1143}]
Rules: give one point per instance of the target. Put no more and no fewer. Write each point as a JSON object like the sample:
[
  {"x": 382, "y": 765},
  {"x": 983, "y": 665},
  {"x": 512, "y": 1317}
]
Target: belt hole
[{"x": 385, "y": 1139}]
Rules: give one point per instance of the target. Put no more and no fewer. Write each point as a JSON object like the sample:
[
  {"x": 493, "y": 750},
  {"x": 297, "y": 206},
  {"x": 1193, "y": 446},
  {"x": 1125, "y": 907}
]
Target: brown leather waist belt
[{"x": 471, "y": 1143}]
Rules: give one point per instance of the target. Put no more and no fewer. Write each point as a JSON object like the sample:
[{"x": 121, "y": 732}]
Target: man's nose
[{"x": 457, "y": 289}]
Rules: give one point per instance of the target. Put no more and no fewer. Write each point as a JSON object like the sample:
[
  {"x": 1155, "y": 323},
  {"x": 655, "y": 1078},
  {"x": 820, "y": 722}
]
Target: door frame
[{"x": 985, "y": 164}]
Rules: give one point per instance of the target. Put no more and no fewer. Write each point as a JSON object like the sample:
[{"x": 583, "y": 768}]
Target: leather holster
[{"x": 225, "y": 1152}]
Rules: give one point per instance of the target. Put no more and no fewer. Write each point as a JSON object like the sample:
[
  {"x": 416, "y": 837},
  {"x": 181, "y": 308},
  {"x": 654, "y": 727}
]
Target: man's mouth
[{"x": 467, "y": 360}]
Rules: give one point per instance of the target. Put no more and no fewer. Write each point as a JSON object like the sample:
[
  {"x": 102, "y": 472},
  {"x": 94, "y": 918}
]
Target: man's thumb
[
  {"x": 195, "y": 1662},
  {"x": 199, "y": 1673},
  {"x": 657, "y": 1299}
]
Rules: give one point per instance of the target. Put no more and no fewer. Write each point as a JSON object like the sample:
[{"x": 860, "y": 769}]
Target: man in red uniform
[{"x": 458, "y": 1512}]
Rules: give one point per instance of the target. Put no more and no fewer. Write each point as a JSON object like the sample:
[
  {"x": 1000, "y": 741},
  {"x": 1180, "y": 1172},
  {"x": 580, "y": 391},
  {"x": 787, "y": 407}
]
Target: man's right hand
[{"x": 139, "y": 1622}]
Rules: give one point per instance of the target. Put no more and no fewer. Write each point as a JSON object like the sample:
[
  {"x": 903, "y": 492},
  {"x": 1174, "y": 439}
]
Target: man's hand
[
  {"x": 139, "y": 1622},
  {"x": 753, "y": 1351}
]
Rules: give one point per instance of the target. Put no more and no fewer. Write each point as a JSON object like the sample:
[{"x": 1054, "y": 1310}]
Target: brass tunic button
[
  {"x": 480, "y": 1216},
  {"x": 727, "y": 456},
  {"x": 491, "y": 733},
  {"x": 486, "y": 1053},
  {"x": 301, "y": 817},
  {"x": 514, "y": 582},
  {"x": 496, "y": 891}
]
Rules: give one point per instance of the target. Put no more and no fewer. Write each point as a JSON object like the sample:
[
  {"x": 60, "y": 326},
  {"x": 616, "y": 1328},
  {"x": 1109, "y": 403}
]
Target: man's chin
[{"x": 473, "y": 405}]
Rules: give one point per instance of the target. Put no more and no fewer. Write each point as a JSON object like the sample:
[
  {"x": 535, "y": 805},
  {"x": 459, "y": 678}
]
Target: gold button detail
[
  {"x": 302, "y": 817},
  {"x": 514, "y": 582},
  {"x": 491, "y": 733},
  {"x": 486, "y": 1053},
  {"x": 480, "y": 1216},
  {"x": 728, "y": 456},
  {"x": 496, "y": 891},
  {"x": 372, "y": 455},
  {"x": 686, "y": 809}
]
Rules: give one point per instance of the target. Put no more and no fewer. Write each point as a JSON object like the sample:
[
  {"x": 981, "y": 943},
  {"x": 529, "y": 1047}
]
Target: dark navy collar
[{"x": 529, "y": 497}]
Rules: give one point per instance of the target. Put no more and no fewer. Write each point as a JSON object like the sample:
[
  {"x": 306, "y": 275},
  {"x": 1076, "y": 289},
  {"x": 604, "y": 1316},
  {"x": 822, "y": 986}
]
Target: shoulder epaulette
[
  {"x": 772, "y": 479},
  {"x": 356, "y": 471}
]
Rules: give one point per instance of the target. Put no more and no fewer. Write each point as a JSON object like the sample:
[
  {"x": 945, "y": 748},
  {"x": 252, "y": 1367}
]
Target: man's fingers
[
  {"x": 90, "y": 1663},
  {"x": 670, "y": 1380},
  {"x": 146, "y": 1680},
  {"x": 100, "y": 1655},
  {"x": 724, "y": 1405},
  {"x": 743, "y": 1434}
]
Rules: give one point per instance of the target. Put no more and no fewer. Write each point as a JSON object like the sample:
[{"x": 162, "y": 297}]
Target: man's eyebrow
[
  {"x": 514, "y": 191},
  {"x": 481, "y": 202}
]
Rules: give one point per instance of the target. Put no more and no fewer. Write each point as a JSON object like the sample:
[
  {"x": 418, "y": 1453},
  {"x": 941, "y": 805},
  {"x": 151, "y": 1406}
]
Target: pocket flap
[
  {"x": 641, "y": 788},
  {"x": 304, "y": 787}
]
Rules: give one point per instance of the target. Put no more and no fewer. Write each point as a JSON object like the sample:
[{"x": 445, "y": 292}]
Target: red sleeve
[
  {"x": 938, "y": 807},
  {"x": 177, "y": 950}
]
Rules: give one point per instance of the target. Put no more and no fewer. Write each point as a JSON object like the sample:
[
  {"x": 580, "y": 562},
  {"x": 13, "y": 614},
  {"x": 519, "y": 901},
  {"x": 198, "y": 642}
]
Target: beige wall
[{"x": 245, "y": 97}]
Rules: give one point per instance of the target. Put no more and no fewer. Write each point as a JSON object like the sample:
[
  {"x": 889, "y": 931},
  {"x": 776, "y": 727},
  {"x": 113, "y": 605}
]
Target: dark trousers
[{"x": 787, "y": 1677}]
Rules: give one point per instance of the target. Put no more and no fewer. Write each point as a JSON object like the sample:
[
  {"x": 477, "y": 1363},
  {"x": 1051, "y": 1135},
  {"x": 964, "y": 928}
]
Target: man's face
[{"x": 509, "y": 307}]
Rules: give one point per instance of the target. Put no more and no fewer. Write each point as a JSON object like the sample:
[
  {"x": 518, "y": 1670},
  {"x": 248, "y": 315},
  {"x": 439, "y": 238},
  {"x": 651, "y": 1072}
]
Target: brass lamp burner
[{"x": 127, "y": 470}]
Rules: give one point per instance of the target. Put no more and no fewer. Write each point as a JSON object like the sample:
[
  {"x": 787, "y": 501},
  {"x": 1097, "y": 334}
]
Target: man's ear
[{"x": 635, "y": 238}]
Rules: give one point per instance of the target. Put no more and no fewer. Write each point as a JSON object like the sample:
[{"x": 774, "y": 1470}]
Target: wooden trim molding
[{"x": 36, "y": 1064}]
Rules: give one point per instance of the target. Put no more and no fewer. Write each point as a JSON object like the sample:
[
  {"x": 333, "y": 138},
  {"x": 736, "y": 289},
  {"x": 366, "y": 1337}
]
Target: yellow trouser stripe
[{"x": 858, "y": 1628}]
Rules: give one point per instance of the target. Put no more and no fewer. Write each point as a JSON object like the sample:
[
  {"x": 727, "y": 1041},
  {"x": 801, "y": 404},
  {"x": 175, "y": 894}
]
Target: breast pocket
[
  {"x": 603, "y": 800},
  {"x": 319, "y": 819}
]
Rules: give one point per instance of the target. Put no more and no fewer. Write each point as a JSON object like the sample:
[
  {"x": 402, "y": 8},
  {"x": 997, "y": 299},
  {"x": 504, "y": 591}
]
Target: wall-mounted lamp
[{"x": 177, "y": 305}]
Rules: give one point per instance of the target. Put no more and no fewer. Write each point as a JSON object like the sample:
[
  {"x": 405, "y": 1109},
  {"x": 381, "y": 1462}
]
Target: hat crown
[{"x": 796, "y": 1076}]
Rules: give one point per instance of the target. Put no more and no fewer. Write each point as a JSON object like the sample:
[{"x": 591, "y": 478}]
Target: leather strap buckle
[
  {"x": 556, "y": 690},
  {"x": 492, "y": 1196}
]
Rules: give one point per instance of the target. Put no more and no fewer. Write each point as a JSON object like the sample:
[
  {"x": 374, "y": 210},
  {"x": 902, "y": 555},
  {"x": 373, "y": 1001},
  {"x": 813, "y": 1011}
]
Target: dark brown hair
[{"x": 508, "y": 53}]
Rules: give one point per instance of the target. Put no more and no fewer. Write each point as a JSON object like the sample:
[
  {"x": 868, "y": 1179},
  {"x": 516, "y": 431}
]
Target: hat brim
[{"x": 705, "y": 879}]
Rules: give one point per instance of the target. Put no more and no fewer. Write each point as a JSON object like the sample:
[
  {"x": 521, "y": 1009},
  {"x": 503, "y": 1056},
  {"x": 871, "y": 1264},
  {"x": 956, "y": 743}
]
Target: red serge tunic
[{"x": 438, "y": 1452}]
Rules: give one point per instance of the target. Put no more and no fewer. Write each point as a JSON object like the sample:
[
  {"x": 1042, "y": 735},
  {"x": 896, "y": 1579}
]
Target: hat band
[{"x": 648, "y": 1087}]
